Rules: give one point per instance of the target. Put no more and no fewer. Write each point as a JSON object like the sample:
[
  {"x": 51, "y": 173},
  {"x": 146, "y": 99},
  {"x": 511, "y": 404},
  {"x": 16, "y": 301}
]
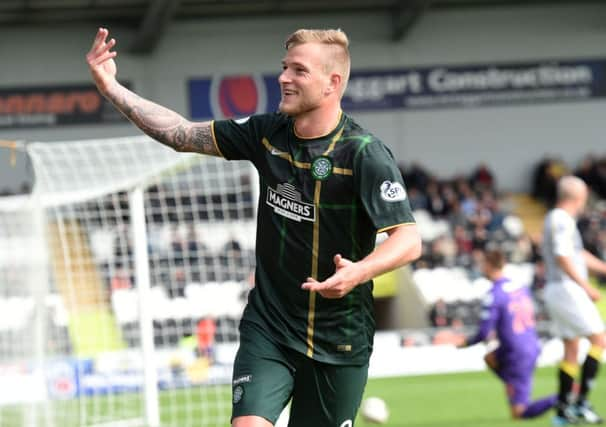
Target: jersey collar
[{"x": 329, "y": 135}]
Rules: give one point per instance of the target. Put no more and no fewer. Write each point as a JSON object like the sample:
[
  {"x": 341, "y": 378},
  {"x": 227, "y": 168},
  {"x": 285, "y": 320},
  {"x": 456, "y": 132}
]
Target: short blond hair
[{"x": 338, "y": 42}]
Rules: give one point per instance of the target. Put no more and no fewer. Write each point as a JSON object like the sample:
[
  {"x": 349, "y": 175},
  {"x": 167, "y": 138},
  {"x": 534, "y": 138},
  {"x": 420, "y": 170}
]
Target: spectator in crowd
[
  {"x": 600, "y": 180},
  {"x": 456, "y": 217},
  {"x": 449, "y": 196},
  {"x": 196, "y": 253},
  {"x": 418, "y": 199},
  {"x": 438, "y": 315},
  {"x": 592, "y": 170},
  {"x": 464, "y": 245},
  {"x": 467, "y": 197},
  {"x": 123, "y": 248},
  {"x": 121, "y": 280},
  {"x": 177, "y": 245},
  {"x": 205, "y": 334},
  {"x": 546, "y": 175},
  {"x": 475, "y": 268},
  {"x": 176, "y": 288},
  {"x": 416, "y": 176},
  {"x": 479, "y": 237},
  {"x": 481, "y": 217},
  {"x": 436, "y": 205},
  {"x": 233, "y": 260},
  {"x": 587, "y": 171},
  {"x": 195, "y": 247},
  {"x": 483, "y": 176},
  {"x": 522, "y": 249}
]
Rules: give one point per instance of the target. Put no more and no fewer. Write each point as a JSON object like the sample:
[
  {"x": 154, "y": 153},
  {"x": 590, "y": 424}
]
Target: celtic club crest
[{"x": 321, "y": 168}]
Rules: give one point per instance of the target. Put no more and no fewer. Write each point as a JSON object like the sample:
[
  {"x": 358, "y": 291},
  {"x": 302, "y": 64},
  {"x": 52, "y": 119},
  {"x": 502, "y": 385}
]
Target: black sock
[
  {"x": 589, "y": 371},
  {"x": 566, "y": 376}
]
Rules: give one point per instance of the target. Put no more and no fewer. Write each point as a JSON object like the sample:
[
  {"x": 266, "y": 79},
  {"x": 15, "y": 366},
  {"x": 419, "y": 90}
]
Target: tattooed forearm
[
  {"x": 203, "y": 139},
  {"x": 162, "y": 124}
]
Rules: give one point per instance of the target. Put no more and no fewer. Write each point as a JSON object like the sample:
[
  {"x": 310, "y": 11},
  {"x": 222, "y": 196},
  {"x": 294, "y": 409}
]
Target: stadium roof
[{"x": 151, "y": 17}]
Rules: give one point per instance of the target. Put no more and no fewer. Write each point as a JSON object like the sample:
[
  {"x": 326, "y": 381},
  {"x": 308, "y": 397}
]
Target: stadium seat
[{"x": 125, "y": 305}]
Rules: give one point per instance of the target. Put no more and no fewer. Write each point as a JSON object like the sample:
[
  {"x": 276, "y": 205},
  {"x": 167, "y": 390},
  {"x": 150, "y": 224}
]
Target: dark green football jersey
[{"x": 318, "y": 197}]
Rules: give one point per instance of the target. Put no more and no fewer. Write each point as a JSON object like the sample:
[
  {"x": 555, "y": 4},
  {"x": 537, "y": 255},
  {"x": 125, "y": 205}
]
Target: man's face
[{"x": 304, "y": 80}]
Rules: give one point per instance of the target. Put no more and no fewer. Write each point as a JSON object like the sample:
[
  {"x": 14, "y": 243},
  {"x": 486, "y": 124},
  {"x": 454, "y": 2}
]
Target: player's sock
[
  {"x": 540, "y": 406},
  {"x": 566, "y": 375},
  {"x": 589, "y": 372}
]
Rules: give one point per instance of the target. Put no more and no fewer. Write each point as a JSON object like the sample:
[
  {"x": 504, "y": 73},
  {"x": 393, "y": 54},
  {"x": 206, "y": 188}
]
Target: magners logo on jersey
[{"x": 286, "y": 201}]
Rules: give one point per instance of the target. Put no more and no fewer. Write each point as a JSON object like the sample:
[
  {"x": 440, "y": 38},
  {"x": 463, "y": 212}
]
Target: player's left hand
[{"x": 347, "y": 276}]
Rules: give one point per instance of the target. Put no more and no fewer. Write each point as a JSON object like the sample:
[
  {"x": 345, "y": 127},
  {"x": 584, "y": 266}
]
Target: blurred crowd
[
  {"x": 592, "y": 170},
  {"x": 184, "y": 259},
  {"x": 475, "y": 213},
  {"x": 476, "y": 216},
  {"x": 461, "y": 216}
]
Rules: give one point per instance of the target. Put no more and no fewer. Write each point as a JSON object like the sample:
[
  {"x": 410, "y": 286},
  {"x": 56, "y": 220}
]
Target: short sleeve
[
  {"x": 235, "y": 139},
  {"x": 240, "y": 139},
  {"x": 563, "y": 231},
  {"x": 381, "y": 187}
]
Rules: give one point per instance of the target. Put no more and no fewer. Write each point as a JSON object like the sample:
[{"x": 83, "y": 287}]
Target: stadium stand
[
  {"x": 459, "y": 218},
  {"x": 462, "y": 216}
]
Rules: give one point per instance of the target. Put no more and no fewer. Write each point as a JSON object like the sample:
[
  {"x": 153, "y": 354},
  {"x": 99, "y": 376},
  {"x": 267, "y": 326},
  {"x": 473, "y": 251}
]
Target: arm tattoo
[
  {"x": 203, "y": 139},
  {"x": 162, "y": 124}
]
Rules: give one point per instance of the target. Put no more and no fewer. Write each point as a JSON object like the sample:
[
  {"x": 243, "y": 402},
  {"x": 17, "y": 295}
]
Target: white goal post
[{"x": 122, "y": 281}]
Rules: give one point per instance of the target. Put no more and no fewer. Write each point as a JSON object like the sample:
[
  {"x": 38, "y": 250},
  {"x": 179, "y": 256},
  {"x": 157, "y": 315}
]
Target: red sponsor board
[{"x": 43, "y": 106}]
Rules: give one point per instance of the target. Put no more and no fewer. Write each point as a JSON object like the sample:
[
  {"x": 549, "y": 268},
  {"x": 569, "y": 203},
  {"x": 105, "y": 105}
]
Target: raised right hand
[{"x": 100, "y": 60}]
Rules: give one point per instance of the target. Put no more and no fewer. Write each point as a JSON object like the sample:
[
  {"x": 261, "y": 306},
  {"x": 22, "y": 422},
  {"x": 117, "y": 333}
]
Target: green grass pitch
[{"x": 475, "y": 399}]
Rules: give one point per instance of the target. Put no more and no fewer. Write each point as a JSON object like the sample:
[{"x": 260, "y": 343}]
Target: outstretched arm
[
  {"x": 401, "y": 247},
  {"x": 160, "y": 123}
]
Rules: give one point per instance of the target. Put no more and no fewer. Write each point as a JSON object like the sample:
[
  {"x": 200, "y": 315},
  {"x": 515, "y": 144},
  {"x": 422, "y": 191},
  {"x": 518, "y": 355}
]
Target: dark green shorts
[{"x": 267, "y": 375}]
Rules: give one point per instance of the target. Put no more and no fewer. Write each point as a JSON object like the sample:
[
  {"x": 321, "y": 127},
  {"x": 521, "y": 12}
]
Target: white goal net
[{"x": 122, "y": 280}]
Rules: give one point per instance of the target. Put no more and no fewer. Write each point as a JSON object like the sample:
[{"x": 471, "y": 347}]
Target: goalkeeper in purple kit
[{"x": 508, "y": 312}]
